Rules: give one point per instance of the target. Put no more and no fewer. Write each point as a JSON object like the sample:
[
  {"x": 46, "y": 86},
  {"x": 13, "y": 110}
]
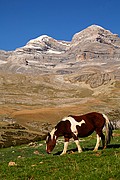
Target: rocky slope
[{"x": 47, "y": 79}]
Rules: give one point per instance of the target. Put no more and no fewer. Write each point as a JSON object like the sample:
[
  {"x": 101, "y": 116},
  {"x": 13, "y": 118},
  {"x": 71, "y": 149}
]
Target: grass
[{"x": 32, "y": 162}]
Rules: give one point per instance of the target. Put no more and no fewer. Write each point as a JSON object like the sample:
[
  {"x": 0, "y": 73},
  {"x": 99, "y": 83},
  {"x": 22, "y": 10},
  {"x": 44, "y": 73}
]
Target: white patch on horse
[
  {"x": 52, "y": 133},
  {"x": 106, "y": 118},
  {"x": 74, "y": 123}
]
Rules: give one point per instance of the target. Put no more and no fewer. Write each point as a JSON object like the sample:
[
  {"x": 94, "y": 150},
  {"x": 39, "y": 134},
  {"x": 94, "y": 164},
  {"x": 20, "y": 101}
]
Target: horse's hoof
[
  {"x": 80, "y": 151},
  {"x": 62, "y": 154},
  {"x": 95, "y": 150},
  {"x": 104, "y": 147}
]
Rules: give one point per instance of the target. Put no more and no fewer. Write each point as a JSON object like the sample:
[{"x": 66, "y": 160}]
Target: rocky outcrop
[
  {"x": 12, "y": 134},
  {"x": 94, "y": 80},
  {"x": 4, "y": 56}
]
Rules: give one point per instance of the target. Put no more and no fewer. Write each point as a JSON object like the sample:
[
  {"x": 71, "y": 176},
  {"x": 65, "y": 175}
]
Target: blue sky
[{"x": 22, "y": 20}]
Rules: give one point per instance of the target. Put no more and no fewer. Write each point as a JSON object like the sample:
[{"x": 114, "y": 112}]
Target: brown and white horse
[{"x": 80, "y": 126}]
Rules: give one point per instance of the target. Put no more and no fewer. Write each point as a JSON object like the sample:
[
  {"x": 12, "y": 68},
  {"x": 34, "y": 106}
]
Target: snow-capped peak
[
  {"x": 39, "y": 39},
  {"x": 94, "y": 26},
  {"x": 37, "y": 42}
]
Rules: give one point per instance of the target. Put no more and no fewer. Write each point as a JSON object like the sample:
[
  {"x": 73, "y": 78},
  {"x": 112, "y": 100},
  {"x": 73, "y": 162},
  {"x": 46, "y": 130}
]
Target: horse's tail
[{"x": 109, "y": 130}]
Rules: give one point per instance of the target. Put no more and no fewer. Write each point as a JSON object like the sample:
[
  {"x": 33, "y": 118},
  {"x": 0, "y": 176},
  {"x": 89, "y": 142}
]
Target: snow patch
[
  {"x": 39, "y": 39},
  {"x": 3, "y": 62},
  {"x": 64, "y": 43},
  {"x": 54, "y": 52}
]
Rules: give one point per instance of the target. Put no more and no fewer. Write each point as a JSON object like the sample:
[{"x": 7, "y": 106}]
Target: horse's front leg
[
  {"x": 75, "y": 137},
  {"x": 78, "y": 146},
  {"x": 65, "y": 146}
]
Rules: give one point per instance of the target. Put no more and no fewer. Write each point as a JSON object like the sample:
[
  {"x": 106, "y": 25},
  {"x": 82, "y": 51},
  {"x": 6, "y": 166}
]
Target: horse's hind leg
[
  {"x": 100, "y": 136},
  {"x": 97, "y": 143},
  {"x": 103, "y": 141}
]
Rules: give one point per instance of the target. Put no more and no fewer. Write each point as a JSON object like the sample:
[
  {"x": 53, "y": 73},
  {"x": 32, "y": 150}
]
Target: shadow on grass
[{"x": 89, "y": 149}]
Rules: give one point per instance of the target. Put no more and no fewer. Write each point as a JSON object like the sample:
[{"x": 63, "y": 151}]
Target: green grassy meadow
[{"x": 30, "y": 162}]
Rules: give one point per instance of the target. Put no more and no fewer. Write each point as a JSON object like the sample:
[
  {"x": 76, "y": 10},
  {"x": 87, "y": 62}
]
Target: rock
[
  {"x": 94, "y": 79},
  {"x": 114, "y": 116},
  {"x": 97, "y": 80},
  {"x": 11, "y": 163},
  {"x": 36, "y": 152}
]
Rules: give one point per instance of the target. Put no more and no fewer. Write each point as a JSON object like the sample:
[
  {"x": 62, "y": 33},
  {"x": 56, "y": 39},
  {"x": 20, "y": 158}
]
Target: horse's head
[{"x": 50, "y": 142}]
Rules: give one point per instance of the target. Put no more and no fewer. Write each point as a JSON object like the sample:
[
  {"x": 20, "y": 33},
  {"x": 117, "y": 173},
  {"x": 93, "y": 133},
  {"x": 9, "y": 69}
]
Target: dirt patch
[{"x": 116, "y": 134}]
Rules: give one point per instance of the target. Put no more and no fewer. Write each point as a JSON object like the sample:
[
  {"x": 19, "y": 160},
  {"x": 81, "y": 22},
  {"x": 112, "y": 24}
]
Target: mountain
[
  {"x": 47, "y": 79},
  {"x": 93, "y": 46}
]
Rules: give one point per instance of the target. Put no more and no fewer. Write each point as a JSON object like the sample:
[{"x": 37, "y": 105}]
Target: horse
[{"x": 80, "y": 126}]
